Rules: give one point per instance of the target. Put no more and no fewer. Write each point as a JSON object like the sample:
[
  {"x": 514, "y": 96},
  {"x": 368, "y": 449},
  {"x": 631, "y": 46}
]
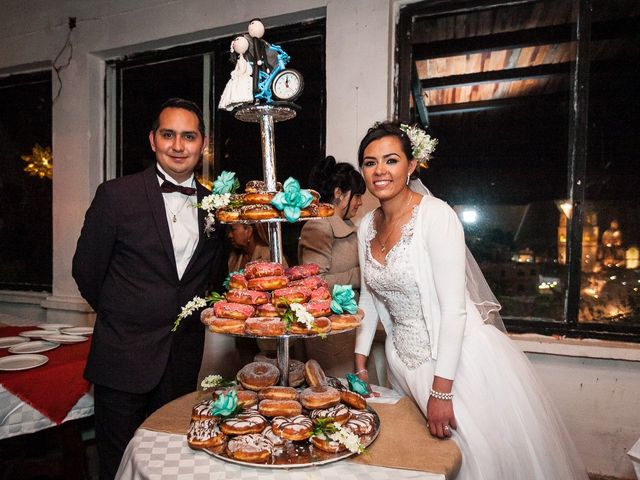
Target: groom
[{"x": 141, "y": 255}]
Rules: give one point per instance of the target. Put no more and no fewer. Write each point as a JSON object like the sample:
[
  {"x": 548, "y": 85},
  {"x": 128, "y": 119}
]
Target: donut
[
  {"x": 202, "y": 410},
  {"x": 280, "y": 408},
  {"x": 326, "y": 210},
  {"x": 228, "y": 214},
  {"x": 258, "y": 375},
  {"x": 253, "y": 186},
  {"x": 258, "y": 198},
  {"x": 321, "y": 396},
  {"x": 232, "y": 310},
  {"x": 266, "y": 284},
  {"x": 296, "y": 368},
  {"x": 313, "y": 373},
  {"x": 226, "y": 325},
  {"x": 346, "y": 321},
  {"x": 309, "y": 211},
  {"x": 252, "y": 448},
  {"x": 294, "y": 428},
  {"x": 335, "y": 383},
  {"x": 243, "y": 423},
  {"x": 247, "y": 398},
  {"x": 278, "y": 393},
  {"x": 318, "y": 308},
  {"x": 286, "y": 296},
  {"x": 315, "y": 194},
  {"x": 263, "y": 269},
  {"x": 272, "y": 437},
  {"x": 269, "y": 310},
  {"x": 205, "y": 434},
  {"x": 265, "y": 327},
  {"x": 337, "y": 414},
  {"x": 324, "y": 443},
  {"x": 301, "y": 271},
  {"x": 258, "y": 212},
  {"x": 320, "y": 293},
  {"x": 247, "y": 297},
  {"x": 312, "y": 282},
  {"x": 353, "y": 399},
  {"x": 320, "y": 325},
  {"x": 207, "y": 315},
  {"x": 361, "y": 422},
  {"x": 237, "y": 281}
]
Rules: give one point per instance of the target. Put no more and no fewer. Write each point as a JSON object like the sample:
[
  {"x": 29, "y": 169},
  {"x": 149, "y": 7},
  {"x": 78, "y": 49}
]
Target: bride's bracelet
[
  {"x": 441, "y": 395},
  {"x": 363, "y": 370}
]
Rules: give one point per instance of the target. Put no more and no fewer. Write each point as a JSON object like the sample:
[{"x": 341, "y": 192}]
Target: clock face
[{"x": 287, "y": 85}]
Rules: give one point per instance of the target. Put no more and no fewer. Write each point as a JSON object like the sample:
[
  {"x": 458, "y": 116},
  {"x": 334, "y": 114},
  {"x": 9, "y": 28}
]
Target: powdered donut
[
  {"x": 314, "y": 398},
  {"x": 277, "y": 392},
  {"x": 258, "y": 375},
  {"x": 353, "y": 399},
  {"x": 276, "y": 408},
  {"x": 314, "y": 374}
]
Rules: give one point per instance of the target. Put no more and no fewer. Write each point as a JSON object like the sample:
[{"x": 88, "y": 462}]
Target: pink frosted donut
[
  {"x": 286, "y": 296},
  {"x": 301, "y": 271},
  {"x": 265, "y": 327},
  {"x": 247, "y": 297},
  {"x": 263, "y": 269},
  {"x": 311, "y": 283},
  {"x": 236, "y": 311},
  {"x": 321, "y": 293},
  {"x": 318, "y": 308}
]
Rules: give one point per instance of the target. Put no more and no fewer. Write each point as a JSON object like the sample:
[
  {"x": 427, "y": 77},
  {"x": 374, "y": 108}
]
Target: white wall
[{"x": 601, "y": 414}]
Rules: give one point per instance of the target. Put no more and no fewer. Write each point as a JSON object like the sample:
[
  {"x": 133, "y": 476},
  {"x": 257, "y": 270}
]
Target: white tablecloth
[
  {"x": 19, "y": 418},
  {"x": 157, "y": 455}
]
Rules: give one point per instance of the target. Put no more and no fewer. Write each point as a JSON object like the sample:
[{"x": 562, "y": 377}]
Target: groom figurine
[{"x": 141, "y": 255}]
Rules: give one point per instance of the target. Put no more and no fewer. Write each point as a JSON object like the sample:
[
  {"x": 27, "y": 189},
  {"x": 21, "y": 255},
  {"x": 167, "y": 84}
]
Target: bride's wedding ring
[{"x": 445, "y": 427}]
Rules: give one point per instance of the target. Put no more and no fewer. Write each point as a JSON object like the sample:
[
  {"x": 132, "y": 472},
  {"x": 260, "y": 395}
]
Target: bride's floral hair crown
[{"x": 422, "y": 144}]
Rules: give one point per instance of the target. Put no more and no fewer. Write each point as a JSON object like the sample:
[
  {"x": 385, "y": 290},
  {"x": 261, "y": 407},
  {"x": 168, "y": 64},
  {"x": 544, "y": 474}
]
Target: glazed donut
[
  {"x": 338, "y": 414},
  {"x": 353, "y": 399},
  {"x": 266, "y": 284},
  {"x": 226, "y": 325},
  {"x": 207, "y": 315},
  {"x": 254, "y": 186},
  {"x": 269, "y": 310},
  {"x": 247, "y": 398},
  {"x": 326, "y": 210},
  {"x": 320, "y": 293},
  {"x": 294, "y": 428},
  {"x": 314, "y": 374},
  {"x": 324, "y": 443},
  {"x": 313, "y": 398},
  {"x": 228, "y": 214},
  {"x": 247, "y": 297},
  {"x": 258, "y": 198},
  {"x": 286, "y": 296},
  {"x": 311, "y": 282},
  {"x": 205, "y": 434},
  {"x": 318, "y": 308},
  {"x": 237, "y": 281},
  {"x": 243, "y": 423},
  {"x": 258, "y": 375},
  {"x": 265, "y": 327},
  {"x": 261, "y": 268},
  {"x": 258, "y": 212},
  {"x": 253, "y": 448},
  {"x": 280, "y": 408},
  {"x": 320, "y": 325},
  {"x": 202, "y": 410},
  {"x": 236, "y": 311},
  {"x": 309, "y": 211},
  {"x": 361, "y": 422},
  {"x": 278, "y": 393},
  {"x": 301, "y": 271},
  {"x": 345, "y": 321}
]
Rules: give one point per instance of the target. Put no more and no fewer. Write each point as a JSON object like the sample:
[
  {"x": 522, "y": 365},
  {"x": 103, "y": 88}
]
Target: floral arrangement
[
  {"x": 296, "y": 312},
  {"x": 423, "y": 145},
  {"x": 226, "y": 405},
  {"x": 215, "y": 381},
  {"x": 292, "y": 199},
  {"x": 221, "y": 196},
  {"x": 327, "y": 428},
  {"x": 194, "y": 305},
  {"x": 343, "y": 299}
]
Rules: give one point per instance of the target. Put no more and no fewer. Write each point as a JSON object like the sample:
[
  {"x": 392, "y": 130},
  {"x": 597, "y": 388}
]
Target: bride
[{"x": 469, "y": 380}]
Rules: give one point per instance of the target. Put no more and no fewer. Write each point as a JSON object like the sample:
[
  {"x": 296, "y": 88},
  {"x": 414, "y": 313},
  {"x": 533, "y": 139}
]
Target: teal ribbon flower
[
  {"x": 225, "y": 183},
  {"x": 343, "y": 299},
  {"x": 292, "y": 199},
  {"x": 225, "y": 405},
  {"x": 357, "y": 385}
]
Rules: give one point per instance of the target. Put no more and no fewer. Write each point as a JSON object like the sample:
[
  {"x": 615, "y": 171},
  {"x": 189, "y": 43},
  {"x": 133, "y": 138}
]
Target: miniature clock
[{"x": 287, "y": 85}]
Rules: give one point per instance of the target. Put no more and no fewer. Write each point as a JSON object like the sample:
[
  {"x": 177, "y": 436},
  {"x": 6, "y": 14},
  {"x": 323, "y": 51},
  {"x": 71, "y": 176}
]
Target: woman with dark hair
[
  {"x": 332, "y": 244},
  {"x": 250, "y": 242},
  {"x": 443, "y": 348}
]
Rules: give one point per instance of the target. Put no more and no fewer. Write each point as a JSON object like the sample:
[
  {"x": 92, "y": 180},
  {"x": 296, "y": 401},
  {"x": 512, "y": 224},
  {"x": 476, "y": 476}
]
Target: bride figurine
[{"x": 239, "y": 88}]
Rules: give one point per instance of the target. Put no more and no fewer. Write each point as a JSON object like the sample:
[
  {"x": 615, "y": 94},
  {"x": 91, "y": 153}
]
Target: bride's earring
[{"x": 408, "y": 178}]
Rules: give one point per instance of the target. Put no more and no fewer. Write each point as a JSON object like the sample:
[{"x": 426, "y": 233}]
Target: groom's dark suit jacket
[{"x": 125, "y": 268}]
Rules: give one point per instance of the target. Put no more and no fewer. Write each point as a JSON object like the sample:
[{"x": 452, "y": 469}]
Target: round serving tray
[
  {"x": 279, "y": 111},
  {"x": 303, "y": 454},
  {"x": 273, "y": 220},
  {"x": 287, "y": 335}
]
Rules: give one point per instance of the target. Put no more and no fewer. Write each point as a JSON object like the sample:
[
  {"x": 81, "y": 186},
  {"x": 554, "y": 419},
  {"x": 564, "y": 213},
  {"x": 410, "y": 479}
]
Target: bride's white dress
[{"x": 508, "y": 428}]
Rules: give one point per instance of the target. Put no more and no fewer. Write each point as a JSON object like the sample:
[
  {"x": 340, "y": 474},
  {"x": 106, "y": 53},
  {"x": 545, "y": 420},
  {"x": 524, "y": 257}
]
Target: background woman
[
  {"x": 466, "y": 376},
  {"x": 332, "y": 244},
  {"x": 249, "y": 242}
]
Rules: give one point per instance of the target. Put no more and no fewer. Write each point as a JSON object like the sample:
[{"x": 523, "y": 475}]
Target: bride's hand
[{"x": 440, "y": 417}]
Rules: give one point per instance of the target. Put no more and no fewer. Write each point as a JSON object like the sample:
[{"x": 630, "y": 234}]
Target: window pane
[
  {"x": 25, "y": 200},
  {"x": 610, "y": 283}
]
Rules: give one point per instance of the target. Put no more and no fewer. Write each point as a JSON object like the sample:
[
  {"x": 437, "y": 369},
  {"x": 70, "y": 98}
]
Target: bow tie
[{"x": 170, "y": 187}]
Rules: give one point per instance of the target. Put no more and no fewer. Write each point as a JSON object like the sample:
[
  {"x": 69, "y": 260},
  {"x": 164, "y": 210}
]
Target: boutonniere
[
  {"x": 343, "y": 299},
  {"x": 292, "y": 199},
  {"x": 222, "y": 195}
]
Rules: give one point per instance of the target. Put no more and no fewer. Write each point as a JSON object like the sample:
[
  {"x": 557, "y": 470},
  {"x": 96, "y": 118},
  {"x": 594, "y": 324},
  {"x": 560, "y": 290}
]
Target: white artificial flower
[
  {"x": 196, "y": 304},
  {"x": 302, "y": 316},
  {"x": 422, "y": 144},
  {"x": 348, "y": 439},
  {"x": 215, "y": 201},
  {"x": 211, "y": 381}
]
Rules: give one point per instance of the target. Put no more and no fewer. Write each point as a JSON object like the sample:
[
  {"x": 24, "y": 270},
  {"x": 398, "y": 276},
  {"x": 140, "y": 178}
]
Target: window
[
  {"x": 507, "y": 88},
  {"x": 25, "y": 196}
]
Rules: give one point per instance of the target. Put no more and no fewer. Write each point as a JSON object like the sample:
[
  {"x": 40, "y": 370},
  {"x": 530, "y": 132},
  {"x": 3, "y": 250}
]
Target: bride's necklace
[
  {"x": 383, "y": 245},
  {"x": 174, "y": 215}
]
